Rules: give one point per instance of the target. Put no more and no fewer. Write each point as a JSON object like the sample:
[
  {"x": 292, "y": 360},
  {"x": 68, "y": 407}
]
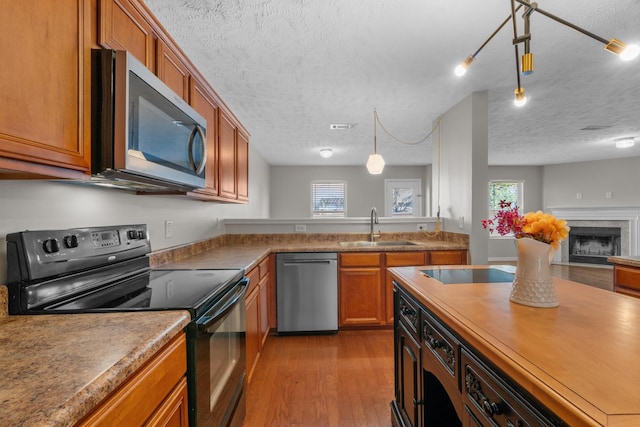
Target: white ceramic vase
[{"x": 532, "y": 284}]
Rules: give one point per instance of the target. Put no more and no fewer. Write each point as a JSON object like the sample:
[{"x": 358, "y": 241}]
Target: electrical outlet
[
  {"x": 301, "y": 228},
  {"x": 461, "y": 222},
  {"x": 422, "y": 227},
  {"x": 608, "y": 195},
  {"x": 578, "y": 196},
  {"x": 168, "y": 229}
]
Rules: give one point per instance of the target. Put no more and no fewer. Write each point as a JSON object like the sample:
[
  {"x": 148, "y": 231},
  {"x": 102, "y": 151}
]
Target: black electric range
[{"x": 107, "y": 269}]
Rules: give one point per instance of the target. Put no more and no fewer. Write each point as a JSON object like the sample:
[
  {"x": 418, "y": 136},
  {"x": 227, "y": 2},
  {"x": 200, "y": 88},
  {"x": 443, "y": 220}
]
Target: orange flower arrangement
[{"x": 538, "y": 225}]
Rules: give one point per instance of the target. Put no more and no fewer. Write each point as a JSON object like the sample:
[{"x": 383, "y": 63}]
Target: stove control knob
[
  {"x": 132, "y": 234},
  {"x": 70, "y": 241},
  {"x": 51, "y": 246},
  {"x": 141, "y": 234}
]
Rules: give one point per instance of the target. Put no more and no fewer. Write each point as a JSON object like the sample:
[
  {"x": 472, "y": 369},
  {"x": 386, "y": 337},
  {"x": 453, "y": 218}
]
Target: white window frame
[
  {"x": 329, "y": 214},
  {"x": 391, "y": 184},
  {"x": 519, "y": 201}
]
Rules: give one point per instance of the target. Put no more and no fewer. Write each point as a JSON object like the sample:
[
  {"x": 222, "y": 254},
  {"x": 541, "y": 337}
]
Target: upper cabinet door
[
  {"x": 122, "y": 26},
  {"x": 44, "y": 125},
  {"x": 227, "y": 146},
  {"x": 203, "y": 103},
  {"x": 172, "y": 70},
  {"x": 242, "y": 166}
]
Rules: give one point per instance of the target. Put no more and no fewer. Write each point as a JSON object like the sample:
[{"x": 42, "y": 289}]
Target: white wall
[
  {"x": 461, "y": 167},
  {"x": 502, "y": 248},
  {"x": 291, "y": 187},
  {"x": 593, "y": 180},
  {"x": 54, "y": 205}
]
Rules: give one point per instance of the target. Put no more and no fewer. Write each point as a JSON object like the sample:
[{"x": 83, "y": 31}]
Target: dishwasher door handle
[{"x": 296, "y": 263}]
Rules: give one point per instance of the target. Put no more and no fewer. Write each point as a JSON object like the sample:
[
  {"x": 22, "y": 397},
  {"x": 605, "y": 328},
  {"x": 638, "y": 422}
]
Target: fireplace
[
  {"x": 592, "y": 245},
  {"x": 627, "y": 219}
]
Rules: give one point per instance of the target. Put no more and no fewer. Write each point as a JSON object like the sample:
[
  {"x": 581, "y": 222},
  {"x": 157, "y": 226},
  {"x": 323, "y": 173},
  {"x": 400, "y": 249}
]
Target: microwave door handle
[
  {"x": 197, "y": 129},
  {"x": 217, "y": 312}
]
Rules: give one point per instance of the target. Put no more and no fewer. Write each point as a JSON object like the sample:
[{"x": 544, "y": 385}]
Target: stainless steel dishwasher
[{"x": 307, "y": 292}]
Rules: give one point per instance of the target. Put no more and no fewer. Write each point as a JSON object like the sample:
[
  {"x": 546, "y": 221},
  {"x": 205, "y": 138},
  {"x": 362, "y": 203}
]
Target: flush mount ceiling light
[
  {"x": 625, "y": 142},
  {"x": 626, "y": 52},
  {"x": 326, "y": 152}
]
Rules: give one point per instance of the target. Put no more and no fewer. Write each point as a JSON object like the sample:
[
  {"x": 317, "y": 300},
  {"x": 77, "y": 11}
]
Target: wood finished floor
[{"x": 341, "y": 380}]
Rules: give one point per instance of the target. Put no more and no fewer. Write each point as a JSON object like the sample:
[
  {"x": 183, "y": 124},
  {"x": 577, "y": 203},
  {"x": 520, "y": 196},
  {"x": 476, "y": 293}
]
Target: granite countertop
[
  {"x": 57, "y": 368},
  {"x": 631, "y": 261},
  {"x": 246, "y": 251}
]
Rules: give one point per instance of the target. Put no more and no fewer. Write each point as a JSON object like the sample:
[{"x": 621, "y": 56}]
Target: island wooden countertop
[
  {"x": 579, "y": 359},
  {"x": 57, "y": 368}
]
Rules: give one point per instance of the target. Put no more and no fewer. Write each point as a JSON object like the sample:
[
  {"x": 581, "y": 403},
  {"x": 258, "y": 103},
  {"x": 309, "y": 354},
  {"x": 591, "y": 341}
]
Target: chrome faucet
[{"x": 374, "y": 220}]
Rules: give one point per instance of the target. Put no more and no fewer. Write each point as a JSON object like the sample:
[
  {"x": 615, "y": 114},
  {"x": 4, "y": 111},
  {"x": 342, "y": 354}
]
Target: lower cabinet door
[{"x": 409, "y": 388}]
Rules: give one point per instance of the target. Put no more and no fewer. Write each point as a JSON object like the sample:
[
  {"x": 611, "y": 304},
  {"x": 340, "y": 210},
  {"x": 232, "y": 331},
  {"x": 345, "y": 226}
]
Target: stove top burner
[{"x": 103, "y": 269}]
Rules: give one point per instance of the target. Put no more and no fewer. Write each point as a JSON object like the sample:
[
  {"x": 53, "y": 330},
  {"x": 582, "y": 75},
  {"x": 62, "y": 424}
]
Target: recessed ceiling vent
[
  {"x": 341, "y": 126},
  {"x": 596, "y": 127}
]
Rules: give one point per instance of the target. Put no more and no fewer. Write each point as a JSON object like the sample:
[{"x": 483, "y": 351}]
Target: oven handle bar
[{"x": 223, "y": 307}]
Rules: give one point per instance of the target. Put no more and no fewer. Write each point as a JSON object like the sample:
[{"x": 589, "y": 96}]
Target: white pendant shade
[{"x": 375, "y": 164}]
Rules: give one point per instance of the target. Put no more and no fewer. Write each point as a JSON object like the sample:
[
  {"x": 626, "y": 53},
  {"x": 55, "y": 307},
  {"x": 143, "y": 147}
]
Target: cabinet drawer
[
  {"x": 493, "y": 401},
  {"x": 264, "y": 267},
  {"x": 373, "y": 259},
  {"x": 254, "y": 279},
  {"x": 442, "y": 345},
  {"x": 135, "y": 401},
  {"x": 409, "y": 313},
  {"x": 447, "y": 257},
  {"x": 628, "y": 277},
  {"x": 400, "y": 259}
]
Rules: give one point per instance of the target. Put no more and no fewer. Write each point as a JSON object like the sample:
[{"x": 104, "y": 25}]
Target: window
[
  {"x": 328, "y": 199},
  {"x": 402, "y": 197},
  {"x": 510, "y": 191}
]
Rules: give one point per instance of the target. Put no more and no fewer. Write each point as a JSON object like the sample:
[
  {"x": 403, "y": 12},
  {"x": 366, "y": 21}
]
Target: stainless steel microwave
[{"x": 144, "y": 137}]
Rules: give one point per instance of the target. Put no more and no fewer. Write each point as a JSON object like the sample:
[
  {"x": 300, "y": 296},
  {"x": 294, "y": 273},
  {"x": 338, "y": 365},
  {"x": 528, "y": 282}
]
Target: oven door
[{"x": 218, "y": 372}]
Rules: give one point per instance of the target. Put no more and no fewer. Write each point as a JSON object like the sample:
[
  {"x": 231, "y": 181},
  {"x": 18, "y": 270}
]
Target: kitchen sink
[{"x": 364, "y": 243}]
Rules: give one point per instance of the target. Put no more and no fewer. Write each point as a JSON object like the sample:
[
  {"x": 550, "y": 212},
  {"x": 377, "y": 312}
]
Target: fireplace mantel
[{"x": 629, "y": 214}]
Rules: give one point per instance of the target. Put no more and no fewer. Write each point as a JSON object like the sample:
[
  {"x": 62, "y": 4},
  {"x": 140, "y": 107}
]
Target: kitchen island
[{"x": 575, "y": 364}]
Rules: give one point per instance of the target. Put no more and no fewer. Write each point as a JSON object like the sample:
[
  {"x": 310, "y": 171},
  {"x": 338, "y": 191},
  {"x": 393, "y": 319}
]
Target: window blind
[{"x": 328, "y": 199}]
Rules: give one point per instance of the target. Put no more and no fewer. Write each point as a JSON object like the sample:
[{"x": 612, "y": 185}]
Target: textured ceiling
[{"x": 290, "y": 68}]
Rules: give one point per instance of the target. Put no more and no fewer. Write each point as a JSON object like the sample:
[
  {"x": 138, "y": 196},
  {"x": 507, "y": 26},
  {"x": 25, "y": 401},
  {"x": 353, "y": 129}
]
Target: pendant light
[{"x": 375, "y": 163}]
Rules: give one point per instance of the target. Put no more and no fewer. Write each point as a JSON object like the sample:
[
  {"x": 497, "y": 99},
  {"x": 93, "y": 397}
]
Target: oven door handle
[{"x": 223, "y": 307}]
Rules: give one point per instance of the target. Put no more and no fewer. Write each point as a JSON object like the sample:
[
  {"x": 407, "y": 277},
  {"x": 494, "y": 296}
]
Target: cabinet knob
[{"x": 491, "y": 408}]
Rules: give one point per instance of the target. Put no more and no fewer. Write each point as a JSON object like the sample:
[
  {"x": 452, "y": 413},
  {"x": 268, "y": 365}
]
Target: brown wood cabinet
[
  {"x": 366, "y": 288},
  {"x": 360, "y": 289},
  {"x": 125, "y": 25},
  {"x": 227, "y": 151},
  {"x": 447, "y": 258},
  {"x": 258, "y": 302},
  {"x": 264, "y": 300},
  {"x": 242, "y": 166},
  {"x": 626, "y": 280},
  {"x": 51, "y": 138},
  {"x": 44, "y": 125},
  {"x": 398, "y": 259},
  {"x": 156, "y": 395},
  {"x": 202, "y": 101},
  {"x": 172, "y": 69}
]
